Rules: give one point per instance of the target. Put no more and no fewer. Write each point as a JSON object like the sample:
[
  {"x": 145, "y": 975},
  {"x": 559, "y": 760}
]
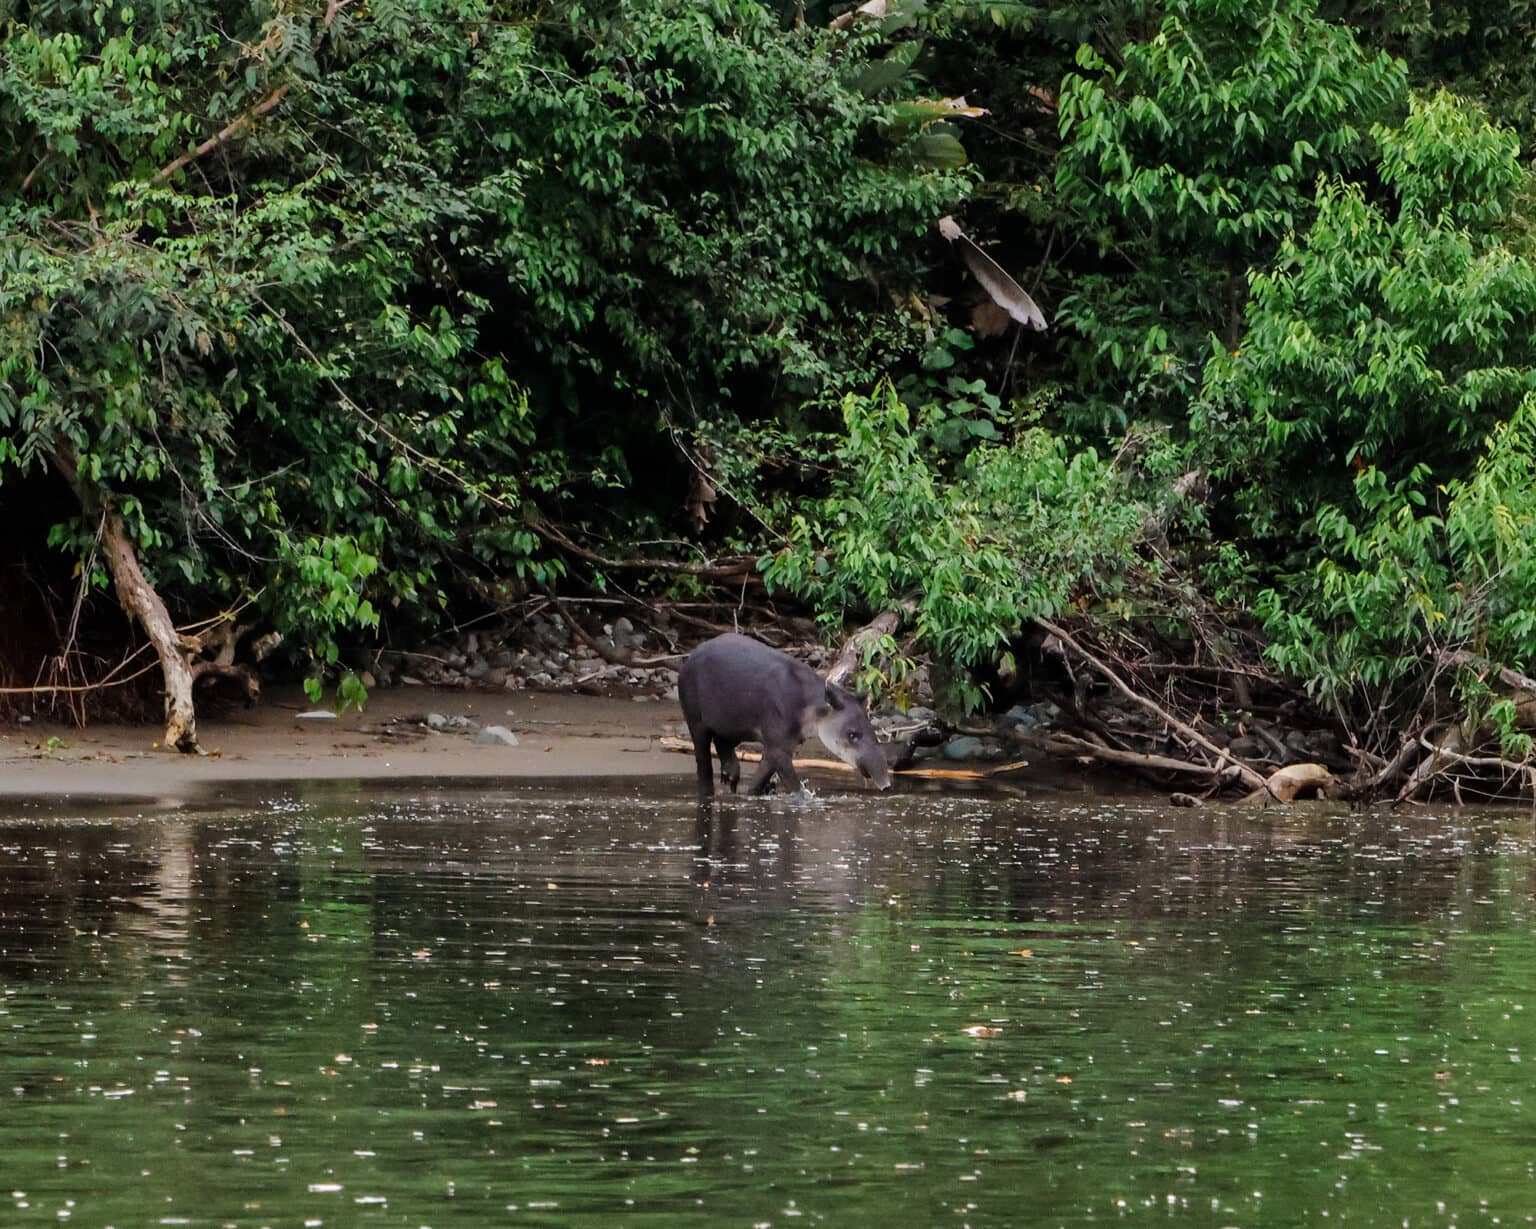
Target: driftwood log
[
  {"x": 668, "y": 743},
  {"x": 1221, "y": 759}
]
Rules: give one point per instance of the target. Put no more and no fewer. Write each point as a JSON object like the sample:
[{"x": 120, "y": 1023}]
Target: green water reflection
[{"x": 552, "y": 1007}]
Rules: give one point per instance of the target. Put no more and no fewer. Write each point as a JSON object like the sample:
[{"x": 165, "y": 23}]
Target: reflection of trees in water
[
  {"x": 60, "y": 884},
  {"x": 147, "y": 890},
  {"x": 342, "y": 973},
  {"x": 578, "y": 912},
  {"x": 1137, "y": 863}
]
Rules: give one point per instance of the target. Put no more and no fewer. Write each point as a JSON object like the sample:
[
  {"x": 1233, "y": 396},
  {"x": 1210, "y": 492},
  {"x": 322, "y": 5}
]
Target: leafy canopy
[
  {"x": 331, "y": 302},
  {"x": 1187, "y": 163}
]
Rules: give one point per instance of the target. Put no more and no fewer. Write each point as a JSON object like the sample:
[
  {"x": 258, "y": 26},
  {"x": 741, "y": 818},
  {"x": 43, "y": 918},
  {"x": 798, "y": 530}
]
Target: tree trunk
[
  {"x": 139, "y": 599},
  {"x": 852, "y": 655}
]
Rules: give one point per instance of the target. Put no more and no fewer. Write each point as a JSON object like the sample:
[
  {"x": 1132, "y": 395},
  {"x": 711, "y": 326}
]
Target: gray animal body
[{"x": 734, "y": 689}]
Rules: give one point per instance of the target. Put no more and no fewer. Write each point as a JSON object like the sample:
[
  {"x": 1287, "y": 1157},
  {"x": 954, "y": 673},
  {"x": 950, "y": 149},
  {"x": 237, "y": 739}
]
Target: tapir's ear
[
  {"x": 863, "y": 697},
  {"x": 834, "y": 696}
]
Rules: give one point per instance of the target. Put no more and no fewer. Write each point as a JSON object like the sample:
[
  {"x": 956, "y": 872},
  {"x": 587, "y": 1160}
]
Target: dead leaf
[
  {"x": 1045, "y": 100},
  {"x": 1005, "y": 292},
  {"x": 701, "y": 499},
  {"x": 982, "y": 1030}
]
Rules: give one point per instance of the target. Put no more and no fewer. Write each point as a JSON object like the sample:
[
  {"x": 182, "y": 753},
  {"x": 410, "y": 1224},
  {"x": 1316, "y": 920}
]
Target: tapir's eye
[{"x": 854, "y": 736}]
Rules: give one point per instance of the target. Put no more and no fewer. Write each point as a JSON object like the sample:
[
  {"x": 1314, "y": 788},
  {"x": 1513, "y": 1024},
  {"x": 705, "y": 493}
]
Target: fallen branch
[
  {"x": 1429, "y": 768},
  {"x": 610, "y": 653},
  {"x": 79, "y": 688},
  {"x": 1285, "y": 784},
  {"x": 739, "y": 567},
  {"x": 1443, "y": 757},
  {"x": 243, "y": 675},
  {"x": 140, "y": 600},
  {"x": 1246, "y": 773},
  {"x": 1510, "y": 678},
  {"x": 1388, "y": 772},
  {"x": 1067, "y": 744},
  {"x": 1183, "y": 668}
]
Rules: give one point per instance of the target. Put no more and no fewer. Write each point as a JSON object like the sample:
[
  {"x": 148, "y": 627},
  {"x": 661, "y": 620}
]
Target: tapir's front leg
[
  {"x": 777, "y": 761},
  {"x": 730, "y": 766}
]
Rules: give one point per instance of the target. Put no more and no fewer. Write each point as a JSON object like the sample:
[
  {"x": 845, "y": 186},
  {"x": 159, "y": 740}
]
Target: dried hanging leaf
[
  {"x": 913, "y": 111},
  {"x": 874, "y": 8},
  {"x": 1044, "y": 99},
  {"x": 942, "y": 108},
  {"x": 1005, "y": 292},
  {"x": 701, "y": 497}
]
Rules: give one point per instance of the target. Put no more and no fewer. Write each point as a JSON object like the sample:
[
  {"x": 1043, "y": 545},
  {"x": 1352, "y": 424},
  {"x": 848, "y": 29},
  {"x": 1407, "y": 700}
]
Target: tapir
[{"x": 734, "y": 689}]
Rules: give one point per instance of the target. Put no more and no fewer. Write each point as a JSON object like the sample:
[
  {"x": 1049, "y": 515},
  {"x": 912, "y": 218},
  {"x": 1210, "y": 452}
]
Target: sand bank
[{"x": 560, "y": 735}]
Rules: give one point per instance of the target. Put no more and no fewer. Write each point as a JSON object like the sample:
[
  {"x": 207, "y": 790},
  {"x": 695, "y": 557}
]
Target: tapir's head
[{"x": 845, "y": 731}]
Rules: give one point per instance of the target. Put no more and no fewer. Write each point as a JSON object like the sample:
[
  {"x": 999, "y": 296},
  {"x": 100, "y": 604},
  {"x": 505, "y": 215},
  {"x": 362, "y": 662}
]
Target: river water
[{"x": 584, "y": 1004}]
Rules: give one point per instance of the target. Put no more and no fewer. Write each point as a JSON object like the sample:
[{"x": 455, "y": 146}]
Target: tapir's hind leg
[{"x": 701, "y": 762}]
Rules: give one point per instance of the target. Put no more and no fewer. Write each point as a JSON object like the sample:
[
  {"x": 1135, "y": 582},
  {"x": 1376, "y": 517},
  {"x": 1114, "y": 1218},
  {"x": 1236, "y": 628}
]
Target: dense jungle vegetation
[{"x": 335, "y": 320}]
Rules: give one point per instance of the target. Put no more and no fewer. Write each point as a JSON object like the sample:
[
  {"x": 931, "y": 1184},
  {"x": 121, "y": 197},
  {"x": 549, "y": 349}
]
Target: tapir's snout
[{"x": 877, "y": 771}]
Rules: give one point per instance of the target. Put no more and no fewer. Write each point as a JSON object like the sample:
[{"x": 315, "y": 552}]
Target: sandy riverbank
[{"x": 560, "y": 735}]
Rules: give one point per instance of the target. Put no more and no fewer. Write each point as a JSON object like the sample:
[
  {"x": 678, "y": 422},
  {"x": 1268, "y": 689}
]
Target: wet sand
[{"x": 559, "y": 735}]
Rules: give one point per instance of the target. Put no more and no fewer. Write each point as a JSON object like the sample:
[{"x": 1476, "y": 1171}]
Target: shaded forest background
[{"x": 327, "y": 323}]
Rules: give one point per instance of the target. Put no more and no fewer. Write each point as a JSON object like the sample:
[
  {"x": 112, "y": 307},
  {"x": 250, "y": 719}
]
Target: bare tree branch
[{"x": 233, "y": 128}]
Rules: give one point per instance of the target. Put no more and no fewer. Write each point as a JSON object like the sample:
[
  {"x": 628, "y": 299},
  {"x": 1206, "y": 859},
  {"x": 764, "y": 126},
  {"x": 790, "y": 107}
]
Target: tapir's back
[{"x": 741, "y": 689}]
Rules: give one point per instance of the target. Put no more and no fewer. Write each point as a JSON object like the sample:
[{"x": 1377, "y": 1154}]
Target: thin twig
[{"x": 741, "y": 567}]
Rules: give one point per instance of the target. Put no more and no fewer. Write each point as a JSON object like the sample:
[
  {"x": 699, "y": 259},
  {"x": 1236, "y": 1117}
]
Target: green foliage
[
  {"x": 1015, "y": 533},
  {"x": 697, "y": 186},
  {"x": 1375, "y": 423},
  {"x": 335, "y": 305},
  {"x": 425, "y": 280},
  {"x": 1477, "y": 48},
  {"x": 1403, "y": 579},
  {"x": 1187, "y": 162},
  {"x": 1393, "y": 333},
  {"x": 960, "y": 411}
]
